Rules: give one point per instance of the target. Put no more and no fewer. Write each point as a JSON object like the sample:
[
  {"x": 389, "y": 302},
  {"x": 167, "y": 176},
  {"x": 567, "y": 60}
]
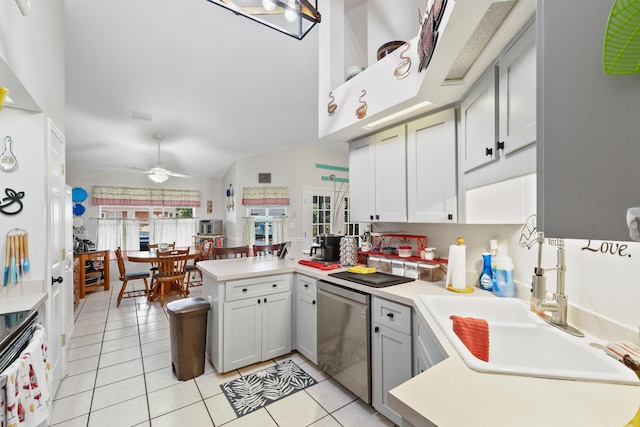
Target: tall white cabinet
[
  {"x": 377, "y": 177},
  {"x": 431, "y": 171}
]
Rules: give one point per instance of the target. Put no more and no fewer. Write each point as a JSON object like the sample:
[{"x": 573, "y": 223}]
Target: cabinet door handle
[
  {"x": 313, "y": 302},
  {"x": 488, "y": 151},
  {"x": 376, "y": 329},
  {"x": 390, "y": 315},
  {"x": 258, "y": 301},
  {"x": 371, "y": 217},
  {"x": 244, "y": 290},
  {"x": 55, "y": 280},
  {"x": 265, "y": 300},
  {"x": 306, "y": 285},
  {"x": 377, "y": 217},
  {"x": 275, "y": 285},
  {"x": 499, "y": 145}
]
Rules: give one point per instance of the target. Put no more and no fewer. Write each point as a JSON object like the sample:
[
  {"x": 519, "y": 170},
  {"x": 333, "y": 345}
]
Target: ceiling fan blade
[{"x": 178, "y": 175}]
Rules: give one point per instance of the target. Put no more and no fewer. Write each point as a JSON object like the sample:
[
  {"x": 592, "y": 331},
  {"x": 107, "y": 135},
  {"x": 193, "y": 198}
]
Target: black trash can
[{"x": 188, "y": 331}]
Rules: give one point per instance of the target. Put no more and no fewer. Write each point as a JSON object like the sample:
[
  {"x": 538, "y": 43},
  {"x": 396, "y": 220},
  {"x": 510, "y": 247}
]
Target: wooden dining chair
[
  {"x": 129, "y": 277},
  {"x": 259, "y": 250},
  {"x": 192, "y": 269},
  {"x": 154, "y": 246},
  {"x": 172, "y": 270},
  {"x": 233, "y": 252}
]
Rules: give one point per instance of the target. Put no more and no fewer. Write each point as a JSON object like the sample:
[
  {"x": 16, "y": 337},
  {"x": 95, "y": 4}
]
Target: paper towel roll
[{"x": 457, "y": 270}]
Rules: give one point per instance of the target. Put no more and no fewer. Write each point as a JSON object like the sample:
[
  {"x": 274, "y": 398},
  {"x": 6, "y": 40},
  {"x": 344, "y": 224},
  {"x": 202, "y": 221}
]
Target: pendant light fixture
[{"x": 292, "y": 17}]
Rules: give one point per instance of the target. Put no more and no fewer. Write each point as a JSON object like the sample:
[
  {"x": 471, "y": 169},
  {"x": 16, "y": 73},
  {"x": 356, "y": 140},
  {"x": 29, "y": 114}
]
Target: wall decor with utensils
[
  {"x": 16, "y": 265},
  {"x": 12, "y": 204}
]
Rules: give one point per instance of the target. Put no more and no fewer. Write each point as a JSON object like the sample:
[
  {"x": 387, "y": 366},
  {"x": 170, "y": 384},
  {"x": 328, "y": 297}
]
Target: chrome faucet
[{"x": 558, "y": 306}]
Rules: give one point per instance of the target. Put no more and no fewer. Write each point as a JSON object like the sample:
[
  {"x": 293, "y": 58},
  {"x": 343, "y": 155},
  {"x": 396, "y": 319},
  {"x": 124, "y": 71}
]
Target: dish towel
[
  {"x": 28, "y": 399},
  {"x": 474, "y": 334}
]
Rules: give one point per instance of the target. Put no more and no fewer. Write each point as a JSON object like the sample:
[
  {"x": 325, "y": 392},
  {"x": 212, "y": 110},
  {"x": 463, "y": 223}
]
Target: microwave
[{"x": 210, "y": 227}]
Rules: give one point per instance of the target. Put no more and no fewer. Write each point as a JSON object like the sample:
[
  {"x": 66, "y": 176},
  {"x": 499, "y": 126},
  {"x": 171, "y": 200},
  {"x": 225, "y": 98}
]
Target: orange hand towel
[{"x": 474, "y": 333}]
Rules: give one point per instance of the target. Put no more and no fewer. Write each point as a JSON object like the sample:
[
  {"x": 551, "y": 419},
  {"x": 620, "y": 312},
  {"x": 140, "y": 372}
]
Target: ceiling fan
[{"x": 158, "y": 173}]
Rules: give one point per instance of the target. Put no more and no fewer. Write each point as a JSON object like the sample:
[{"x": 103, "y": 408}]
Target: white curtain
[
  {"x": 249, "y": 232},
  {"x": 179, "y": 230},
  {"x": 278, "y": 226},
  {"x": 118, "y": 232}
]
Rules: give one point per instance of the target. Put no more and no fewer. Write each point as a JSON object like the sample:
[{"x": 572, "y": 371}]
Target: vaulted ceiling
[{"x": 218, "y": 86}]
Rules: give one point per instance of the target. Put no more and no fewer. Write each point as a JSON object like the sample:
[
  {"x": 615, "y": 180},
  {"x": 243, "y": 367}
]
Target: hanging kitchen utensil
[
  {"x": 8, "y": 161},
  {"x": 16, "y": 258},
  {"x": 622, "y": 41},
  {"x": 7, "y": 261}
]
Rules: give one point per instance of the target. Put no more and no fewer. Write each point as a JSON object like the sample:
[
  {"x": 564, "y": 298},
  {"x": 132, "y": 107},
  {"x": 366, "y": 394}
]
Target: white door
[
  {"x": 318, "y": 214},
  {"x": 57, "y": 261}
]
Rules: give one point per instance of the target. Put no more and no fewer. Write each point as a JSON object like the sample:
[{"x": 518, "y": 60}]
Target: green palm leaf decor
[{"x": 621, "y": 53}]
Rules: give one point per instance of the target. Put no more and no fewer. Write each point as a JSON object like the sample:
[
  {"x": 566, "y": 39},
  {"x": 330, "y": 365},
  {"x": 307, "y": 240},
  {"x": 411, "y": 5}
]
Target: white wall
[
  {"x": 210, "y": 189},
  {"x": 33, "y": 48},
  {"x": 602, "y": 285},
  {"x": 295, "y": 168}
]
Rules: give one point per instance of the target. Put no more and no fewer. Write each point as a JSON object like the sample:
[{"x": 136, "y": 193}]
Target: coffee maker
[{"x": 326, "y": 248}]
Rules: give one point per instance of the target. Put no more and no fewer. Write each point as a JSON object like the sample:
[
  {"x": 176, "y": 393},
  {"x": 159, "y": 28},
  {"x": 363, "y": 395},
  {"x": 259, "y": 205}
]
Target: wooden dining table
[{"x": 152, "y": 257}]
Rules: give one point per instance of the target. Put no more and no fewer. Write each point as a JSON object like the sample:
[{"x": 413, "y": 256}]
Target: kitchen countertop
[{"x": 450, "y": 393}]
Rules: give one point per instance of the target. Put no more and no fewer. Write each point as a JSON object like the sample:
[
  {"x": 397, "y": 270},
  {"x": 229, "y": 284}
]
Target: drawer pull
[
  {"x": 275, "y": 285},
  {"x": 313, "y": 302},
  {"x": 376, "y": 329},
  {"x": 390, "y": 315},
  {"x": 306, "y": 285},
  {"x": 244, "y": 290}
]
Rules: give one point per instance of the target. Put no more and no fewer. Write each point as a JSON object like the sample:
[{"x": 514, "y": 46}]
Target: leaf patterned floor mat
[{"x": 256, "y": 390}]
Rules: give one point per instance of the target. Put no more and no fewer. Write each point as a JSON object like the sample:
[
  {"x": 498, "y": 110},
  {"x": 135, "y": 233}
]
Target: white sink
[{"x": 520, "y": 343}]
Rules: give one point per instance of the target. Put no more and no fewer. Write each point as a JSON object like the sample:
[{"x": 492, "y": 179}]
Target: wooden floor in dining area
[{"x": 120, "y": 375}]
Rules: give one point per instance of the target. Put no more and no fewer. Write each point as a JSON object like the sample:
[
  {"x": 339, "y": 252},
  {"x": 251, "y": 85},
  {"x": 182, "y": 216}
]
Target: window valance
[
  {"x": 130, "y": 196},
  {"x": 252, "y": 196}
]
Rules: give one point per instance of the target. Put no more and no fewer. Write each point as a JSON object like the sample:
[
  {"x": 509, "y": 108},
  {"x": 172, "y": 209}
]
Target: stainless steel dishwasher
[{"x": 344, "y": 337}]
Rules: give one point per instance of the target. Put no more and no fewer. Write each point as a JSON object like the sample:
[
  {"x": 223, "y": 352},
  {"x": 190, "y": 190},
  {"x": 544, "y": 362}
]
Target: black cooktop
[{"x": 375, "y": 280}]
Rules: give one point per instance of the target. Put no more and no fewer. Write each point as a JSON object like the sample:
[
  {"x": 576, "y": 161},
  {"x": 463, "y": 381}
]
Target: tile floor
[{"x": 120, "y": 375}]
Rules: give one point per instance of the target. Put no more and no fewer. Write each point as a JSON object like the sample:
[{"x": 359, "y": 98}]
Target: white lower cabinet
[
  {"x": 390, "y": 352},
  {"x": 258, "y": 327},
  {"x": 306, "y": 318},
  {"x": 427, "y": 350}
]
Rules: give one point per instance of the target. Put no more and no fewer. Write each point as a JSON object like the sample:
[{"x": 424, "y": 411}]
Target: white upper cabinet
[
  {"x": 377, "y": 177},
  {"x": 517, "y": 69},
  {"x": 431, "y": 168},
  {"x": 497, "y": 139},
  {"x": 478, "y": 130}
]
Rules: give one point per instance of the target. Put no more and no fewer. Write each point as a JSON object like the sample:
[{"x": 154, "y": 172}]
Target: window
[
  {"x": 152, "y": 225},
  {"x": 265, "y": 225}
]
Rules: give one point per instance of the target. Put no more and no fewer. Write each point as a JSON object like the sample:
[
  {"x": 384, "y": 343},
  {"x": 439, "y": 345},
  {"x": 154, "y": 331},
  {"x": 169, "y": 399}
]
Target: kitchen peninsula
[{"x": 448, "y": 393}]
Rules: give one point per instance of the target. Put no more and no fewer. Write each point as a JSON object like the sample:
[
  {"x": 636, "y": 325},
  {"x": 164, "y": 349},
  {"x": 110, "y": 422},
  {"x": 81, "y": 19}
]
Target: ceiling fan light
[
  {"x": 290, "y": 15},
  {"x": 158, "y": 178},
  {"x": 269, "y": 5}
]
